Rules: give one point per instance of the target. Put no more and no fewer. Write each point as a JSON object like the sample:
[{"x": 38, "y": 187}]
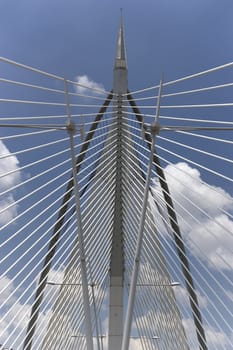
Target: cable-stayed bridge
[{"x": 116, "y": 211}]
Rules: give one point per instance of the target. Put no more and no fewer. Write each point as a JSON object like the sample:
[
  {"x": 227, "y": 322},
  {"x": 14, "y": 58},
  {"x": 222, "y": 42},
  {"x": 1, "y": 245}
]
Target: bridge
[{"x": 116, "y": 211}]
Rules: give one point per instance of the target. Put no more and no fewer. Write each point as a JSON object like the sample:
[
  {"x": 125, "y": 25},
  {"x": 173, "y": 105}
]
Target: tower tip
[
  {"x": 120, "y": 60},
  {"x": 121, "y": 14}
]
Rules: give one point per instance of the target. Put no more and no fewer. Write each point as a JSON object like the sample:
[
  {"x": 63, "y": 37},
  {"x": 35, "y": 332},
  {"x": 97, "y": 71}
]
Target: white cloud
[
  {"x": 190, "y": 333},
  {"x": 14, "y": 316},
  {"x": 10, "y": 176},
  {"x": 87, "y": 85},
  {"x": 215, "y": 338},
  {"x": 8, "y": 164},
  {"x": 135, "y": 344},
  {"x": 56, "y": 275},
  {"x": 6, "y": 288},
  {"x": 191, "y": 195},
  {"x": 215, "y": 241},
  {"x": 51, "y": 292},
  {"x": 183, "y": 299},
  {"x": 8, "y": 208},
  {"x": 229, "y": 293}
]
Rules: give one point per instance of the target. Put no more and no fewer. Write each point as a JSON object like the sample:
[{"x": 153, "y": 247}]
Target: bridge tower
[{"x": 116, "y": 305}]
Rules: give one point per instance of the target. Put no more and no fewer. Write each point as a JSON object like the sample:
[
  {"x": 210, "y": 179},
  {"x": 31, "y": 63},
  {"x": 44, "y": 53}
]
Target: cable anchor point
[
  {"x": 155, "y": 128},
  {"x": 71, "y": 127}
]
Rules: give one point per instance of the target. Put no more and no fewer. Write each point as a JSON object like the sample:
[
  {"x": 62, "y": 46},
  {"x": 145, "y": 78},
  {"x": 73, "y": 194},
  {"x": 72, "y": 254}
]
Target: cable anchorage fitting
[
  {"x": 155, "y": 128},
  {"x": 71, "y": 127}
]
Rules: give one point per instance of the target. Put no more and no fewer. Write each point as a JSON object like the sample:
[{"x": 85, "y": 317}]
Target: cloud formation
[
  {"x": 200, "y": 214},
  {"x": 10, "y": 176},
  {"x": 183, "y": 299},
  {"x": 214, "y": 337},
  {"x": 14, "y": 316},
  {"x": 87, "y": 86}
]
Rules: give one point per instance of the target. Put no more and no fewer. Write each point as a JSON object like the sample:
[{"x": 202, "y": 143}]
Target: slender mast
[{"x": 116, "y": 298}]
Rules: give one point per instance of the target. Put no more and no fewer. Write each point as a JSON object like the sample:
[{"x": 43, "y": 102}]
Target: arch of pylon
[{"x": 116, "y": 211}]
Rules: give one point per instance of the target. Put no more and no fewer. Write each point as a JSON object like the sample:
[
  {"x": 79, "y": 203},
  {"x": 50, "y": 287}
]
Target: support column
[{"x": 116, "y": 296}]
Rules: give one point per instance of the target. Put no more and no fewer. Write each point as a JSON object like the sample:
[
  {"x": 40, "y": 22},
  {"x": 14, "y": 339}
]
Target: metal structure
[{"x": 106, "y": 202}]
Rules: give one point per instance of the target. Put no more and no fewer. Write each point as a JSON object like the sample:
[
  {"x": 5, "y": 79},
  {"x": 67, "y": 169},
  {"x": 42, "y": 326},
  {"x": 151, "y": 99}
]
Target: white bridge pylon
[{"x": 116, "y": 211}]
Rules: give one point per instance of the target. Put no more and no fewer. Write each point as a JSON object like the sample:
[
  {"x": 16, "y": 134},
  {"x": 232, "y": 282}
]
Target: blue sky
[{"x": 77, "y": 38}]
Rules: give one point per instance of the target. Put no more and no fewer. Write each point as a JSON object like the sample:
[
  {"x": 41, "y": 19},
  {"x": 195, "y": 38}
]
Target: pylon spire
[{"x": 120, "y": 59}]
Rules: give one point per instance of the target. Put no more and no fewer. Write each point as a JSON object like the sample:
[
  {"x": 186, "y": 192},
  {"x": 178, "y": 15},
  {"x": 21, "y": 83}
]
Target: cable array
[
  {"x": 36, "y": 181},
  {"x": 199, "y": 177},
  {"x": 41, "y": 290}
]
